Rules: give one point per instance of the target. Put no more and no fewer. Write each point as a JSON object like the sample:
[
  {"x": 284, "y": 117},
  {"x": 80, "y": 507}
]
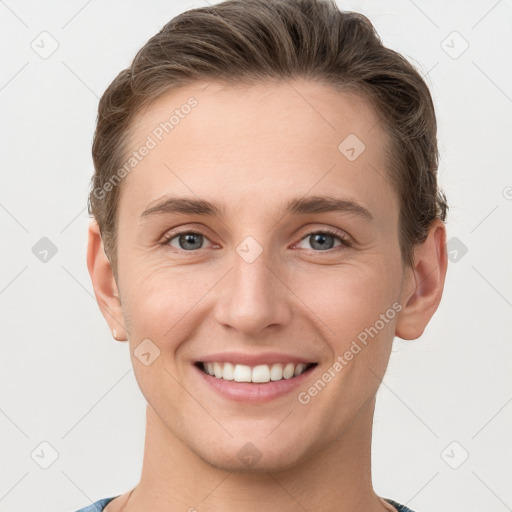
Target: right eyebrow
[{"x": 183, "y": 205}]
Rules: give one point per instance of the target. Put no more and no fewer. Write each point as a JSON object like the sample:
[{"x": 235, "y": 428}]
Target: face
[{"x": 256, "y": 236}]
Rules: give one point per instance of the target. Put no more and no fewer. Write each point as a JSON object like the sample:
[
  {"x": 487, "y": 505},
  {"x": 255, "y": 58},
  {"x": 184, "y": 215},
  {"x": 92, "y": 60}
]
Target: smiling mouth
[{"x": 258, "y": 374}]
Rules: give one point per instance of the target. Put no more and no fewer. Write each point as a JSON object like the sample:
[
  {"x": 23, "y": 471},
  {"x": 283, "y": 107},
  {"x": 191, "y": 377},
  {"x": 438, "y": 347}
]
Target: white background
[{"x": 64, "y": 379}]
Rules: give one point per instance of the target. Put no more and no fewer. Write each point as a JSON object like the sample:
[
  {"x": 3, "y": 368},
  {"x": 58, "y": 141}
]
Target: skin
[{"x": 252, "y": 149}]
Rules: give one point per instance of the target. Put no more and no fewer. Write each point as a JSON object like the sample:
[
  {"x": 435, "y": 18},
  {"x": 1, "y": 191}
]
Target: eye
[
  {"x": 324, "y": 240},
  {"x": 185, "y": 241}
]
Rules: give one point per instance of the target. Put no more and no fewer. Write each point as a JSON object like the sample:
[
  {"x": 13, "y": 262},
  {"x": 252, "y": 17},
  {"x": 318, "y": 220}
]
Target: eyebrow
[
  {"x": 298, "y": 206},
  {"x": 323, "y": 204}
]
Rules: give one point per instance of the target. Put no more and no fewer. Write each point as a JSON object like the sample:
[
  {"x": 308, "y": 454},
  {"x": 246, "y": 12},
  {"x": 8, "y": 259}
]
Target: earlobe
[
  {"x": 103, "y": 282},
  {"x": 425, "y": 283}
]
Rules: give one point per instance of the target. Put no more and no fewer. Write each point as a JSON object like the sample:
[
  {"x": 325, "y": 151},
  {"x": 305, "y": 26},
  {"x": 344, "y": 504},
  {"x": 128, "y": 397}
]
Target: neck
[{"x": 336, "y": 478}]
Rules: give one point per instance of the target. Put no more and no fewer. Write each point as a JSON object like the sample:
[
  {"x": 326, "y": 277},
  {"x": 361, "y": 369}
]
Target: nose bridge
[{"x": 252, "y": 298}]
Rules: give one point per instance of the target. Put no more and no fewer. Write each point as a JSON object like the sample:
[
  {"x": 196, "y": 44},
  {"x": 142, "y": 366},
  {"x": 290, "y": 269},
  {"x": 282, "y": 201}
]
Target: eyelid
[
  {"x": 183, "y": 229},
  {"x": 171, "y": 235}
]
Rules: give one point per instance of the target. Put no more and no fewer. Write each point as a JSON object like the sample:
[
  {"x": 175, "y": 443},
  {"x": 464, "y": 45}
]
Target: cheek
[
  {"x": 161, "y": 302},
  {"x": 347, "y": 300},
  {"x": 355, "y": 306},
  {"x": 157, "y": 308}
]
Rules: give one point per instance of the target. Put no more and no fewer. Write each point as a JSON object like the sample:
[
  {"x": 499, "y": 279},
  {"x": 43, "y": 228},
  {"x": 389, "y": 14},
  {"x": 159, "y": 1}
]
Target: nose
[{"x": 254, "y": 297}]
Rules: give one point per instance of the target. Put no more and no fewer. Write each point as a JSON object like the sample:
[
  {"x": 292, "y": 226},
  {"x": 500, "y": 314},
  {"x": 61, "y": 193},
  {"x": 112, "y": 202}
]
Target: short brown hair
[{"x": 250, "y": 41}]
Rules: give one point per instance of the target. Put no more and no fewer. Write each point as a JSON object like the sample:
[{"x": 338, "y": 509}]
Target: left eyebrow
[
  {"x": 323, "y": 204},
  {"x": 297, "y": 206}
]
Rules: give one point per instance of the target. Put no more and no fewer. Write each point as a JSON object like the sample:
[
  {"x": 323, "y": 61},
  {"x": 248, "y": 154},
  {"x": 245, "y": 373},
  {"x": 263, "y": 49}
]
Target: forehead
[
  {"x": 268, "y": 111},
  {"x": 273, "y": 139}
]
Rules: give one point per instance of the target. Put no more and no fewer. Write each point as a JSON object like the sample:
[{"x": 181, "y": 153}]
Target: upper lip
[{"x": 253, "y": 359}]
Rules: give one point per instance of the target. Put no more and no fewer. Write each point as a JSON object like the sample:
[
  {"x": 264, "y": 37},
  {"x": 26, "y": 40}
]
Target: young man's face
[{"x": 252, "y": 284}]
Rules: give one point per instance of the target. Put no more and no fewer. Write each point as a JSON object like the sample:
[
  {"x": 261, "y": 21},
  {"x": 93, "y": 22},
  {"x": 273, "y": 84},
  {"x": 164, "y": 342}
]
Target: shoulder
[
  {"x": 97, "y": 506},
  {"x": 398, "y": 506}
]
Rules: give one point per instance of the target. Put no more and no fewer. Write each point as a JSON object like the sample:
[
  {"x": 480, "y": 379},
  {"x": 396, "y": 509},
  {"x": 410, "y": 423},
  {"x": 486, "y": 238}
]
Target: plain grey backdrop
[{"x": 72, "y": 417}]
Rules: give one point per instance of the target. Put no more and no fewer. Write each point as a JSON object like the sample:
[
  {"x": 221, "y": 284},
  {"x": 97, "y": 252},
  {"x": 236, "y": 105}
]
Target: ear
[
  {"x": 424, "y": 284},
  {"x": 104, "y": 284}
]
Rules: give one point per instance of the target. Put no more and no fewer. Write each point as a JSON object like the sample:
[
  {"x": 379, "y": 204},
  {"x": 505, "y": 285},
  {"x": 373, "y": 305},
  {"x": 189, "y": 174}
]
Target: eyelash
[{"x": 345, "y": 243}]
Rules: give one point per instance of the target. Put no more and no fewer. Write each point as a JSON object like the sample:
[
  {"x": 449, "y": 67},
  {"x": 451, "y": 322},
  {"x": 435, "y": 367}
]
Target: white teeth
[
  {"x": 242, "y": 373},
  {"x": 217, "y": 369},
  {"x": 261, "y": 373},
  {"x": 276, "y": 372},
  {"x": 258, "y": 374},
  {"x": 288, "y": 371},
  {"x": 299, "y": 369},
  {"x": 228, "y": 372}
]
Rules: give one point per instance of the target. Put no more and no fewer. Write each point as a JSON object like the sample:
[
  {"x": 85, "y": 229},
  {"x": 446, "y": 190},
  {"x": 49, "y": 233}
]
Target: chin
[
  {"x": 254, "y": 457},
  {"x": 274, "y": 464}
]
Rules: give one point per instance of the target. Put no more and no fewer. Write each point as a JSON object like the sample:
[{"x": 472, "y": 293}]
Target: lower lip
[{"x": 254, "y": 392}]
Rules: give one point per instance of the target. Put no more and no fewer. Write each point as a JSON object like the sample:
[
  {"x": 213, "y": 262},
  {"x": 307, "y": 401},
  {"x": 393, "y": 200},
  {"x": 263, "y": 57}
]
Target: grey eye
[
  {"x": 321, "y": 241},
  {"x": 187, "y": 241}
]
